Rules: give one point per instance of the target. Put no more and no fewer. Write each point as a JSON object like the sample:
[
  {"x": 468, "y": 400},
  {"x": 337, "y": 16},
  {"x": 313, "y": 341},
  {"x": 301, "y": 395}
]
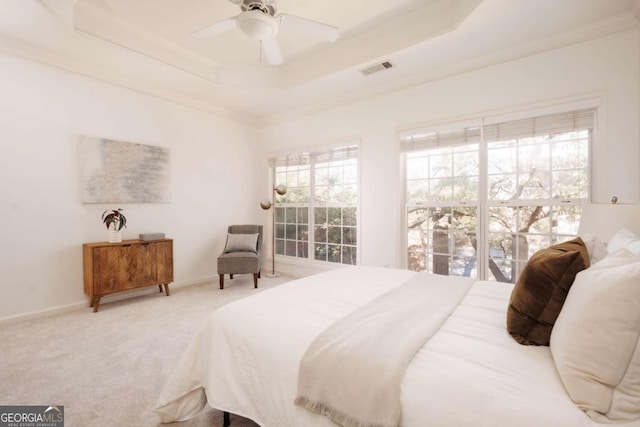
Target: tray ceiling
[{"x": 147, "y": 45}]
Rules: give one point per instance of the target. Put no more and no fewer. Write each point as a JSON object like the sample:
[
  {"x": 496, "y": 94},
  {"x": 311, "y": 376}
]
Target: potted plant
[{"x": 115, "y": 221}]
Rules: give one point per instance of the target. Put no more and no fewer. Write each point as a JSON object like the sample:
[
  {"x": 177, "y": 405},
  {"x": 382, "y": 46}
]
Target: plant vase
[{"x": 114, "y": 233}]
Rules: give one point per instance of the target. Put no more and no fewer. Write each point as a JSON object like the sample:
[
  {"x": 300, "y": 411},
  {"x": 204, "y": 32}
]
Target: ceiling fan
[{"x": 259, "y": 21}]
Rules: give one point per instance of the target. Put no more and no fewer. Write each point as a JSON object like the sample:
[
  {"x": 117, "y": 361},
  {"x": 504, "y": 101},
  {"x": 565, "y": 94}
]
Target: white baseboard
[
  {"x": 5, "y": 321},
  {"x": 84, "y": 305},
  {"x": 293, "y": 268},
  {"x": 297, "y": 267}
]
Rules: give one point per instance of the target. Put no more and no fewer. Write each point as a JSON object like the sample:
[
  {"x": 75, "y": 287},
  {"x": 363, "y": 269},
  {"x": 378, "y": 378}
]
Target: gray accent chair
[{"x": 243, "y": 262}]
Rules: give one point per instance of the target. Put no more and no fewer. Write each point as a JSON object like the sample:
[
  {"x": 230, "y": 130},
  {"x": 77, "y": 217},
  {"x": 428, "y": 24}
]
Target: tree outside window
[
  {"x": 317, "y": 217},
  {"x": 524, "y": 196}
]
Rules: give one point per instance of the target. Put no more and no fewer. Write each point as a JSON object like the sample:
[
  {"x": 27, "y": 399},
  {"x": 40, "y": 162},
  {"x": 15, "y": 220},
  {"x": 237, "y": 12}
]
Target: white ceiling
[{"x": 146, "y": 45}]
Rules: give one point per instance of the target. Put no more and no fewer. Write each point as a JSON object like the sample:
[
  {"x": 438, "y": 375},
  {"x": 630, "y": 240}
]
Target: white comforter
[{"x": 245, "y": 359}]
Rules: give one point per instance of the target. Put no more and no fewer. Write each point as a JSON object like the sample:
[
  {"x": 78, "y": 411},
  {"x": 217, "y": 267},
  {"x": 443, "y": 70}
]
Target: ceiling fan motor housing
[
  {"x": 265, "y": 6},
  {"x": 257, "y": 19},
  {"x": 257, "y": 25}
]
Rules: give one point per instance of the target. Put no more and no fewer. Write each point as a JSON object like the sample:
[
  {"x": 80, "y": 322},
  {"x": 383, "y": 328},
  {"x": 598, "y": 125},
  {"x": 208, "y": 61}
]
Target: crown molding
[
  {"x": 615, "y": 25},
  {"x": 102, "y": 24},
  {"x": 259, "y": 119},
  {"x": 435, "y": 18},
  {"x": 408, "y": 30},
  {"x": 63, "y": 62}
]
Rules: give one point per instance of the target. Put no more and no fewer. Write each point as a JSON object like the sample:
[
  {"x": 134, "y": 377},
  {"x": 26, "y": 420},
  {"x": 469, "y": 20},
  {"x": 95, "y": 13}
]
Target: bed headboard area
[
  {"x": 601, "y": 318},
  {"x": 603, "y": 220}
]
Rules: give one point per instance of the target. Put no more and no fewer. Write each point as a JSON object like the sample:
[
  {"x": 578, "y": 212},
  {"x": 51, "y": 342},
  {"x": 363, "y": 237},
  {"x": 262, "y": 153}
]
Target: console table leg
[
  {"x": 227, "y": 421},
  {"x": 96, "y": 304},
  {"x": 166, "y": 289}
]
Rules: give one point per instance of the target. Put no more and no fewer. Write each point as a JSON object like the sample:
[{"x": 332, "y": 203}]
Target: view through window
[
  {"x": 481, "y": 200},
  {"x": 317, "y": 217}
]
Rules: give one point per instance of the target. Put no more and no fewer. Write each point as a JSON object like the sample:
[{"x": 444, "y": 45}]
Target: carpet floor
[{"x": 108, "y": 368}]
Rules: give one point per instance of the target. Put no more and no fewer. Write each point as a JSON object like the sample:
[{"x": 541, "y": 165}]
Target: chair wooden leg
[
  {"x": 255, "y": 280},
  {"x": 226, "y": 422},
  {"x": 231, "y": 276},
  {"x": 221, "y": 281}
]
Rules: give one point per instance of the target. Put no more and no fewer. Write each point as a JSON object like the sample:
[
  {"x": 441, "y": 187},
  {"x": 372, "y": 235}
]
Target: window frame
[
  {"x": 312, "y": 204},
  {"x": 483, "y": 203}
]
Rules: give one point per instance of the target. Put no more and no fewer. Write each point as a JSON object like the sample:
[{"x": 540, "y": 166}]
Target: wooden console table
[{"x": 130, "y": 264}]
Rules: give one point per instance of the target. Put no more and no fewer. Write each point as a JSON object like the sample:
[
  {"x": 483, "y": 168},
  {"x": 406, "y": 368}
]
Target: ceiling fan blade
[
  {"x": 324, "y": 31},
  {"x": 271, "y": 51},
  {"x": 218, "y": 28}
]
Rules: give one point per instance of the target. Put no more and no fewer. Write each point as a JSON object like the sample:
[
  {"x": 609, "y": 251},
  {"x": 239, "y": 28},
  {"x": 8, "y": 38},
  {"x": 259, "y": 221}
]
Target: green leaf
[{"x": 109, "y": 217}]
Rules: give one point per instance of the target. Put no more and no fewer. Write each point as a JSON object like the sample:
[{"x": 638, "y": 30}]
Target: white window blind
[
  {"x": 515, "y": 129},
  {"x": 539, "y": 126},
  {"x": 446, "y": 138},
  {"x": 318, "y": 156},
  {"x": 290, "y": 160}
]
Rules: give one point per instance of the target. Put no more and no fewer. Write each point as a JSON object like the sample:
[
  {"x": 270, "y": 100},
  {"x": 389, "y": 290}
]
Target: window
[
  {"x": 481, "y": 199},
  {"x": 317, "y": 217}
]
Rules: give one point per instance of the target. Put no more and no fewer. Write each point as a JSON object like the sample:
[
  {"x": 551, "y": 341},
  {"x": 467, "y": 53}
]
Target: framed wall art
[{"x": 124, "y": 172}]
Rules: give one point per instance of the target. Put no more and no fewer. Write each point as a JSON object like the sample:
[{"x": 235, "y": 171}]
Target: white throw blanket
[{"x": 353, "y": 370}]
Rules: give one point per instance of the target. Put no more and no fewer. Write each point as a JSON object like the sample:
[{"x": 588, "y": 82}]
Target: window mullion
[
  {"x": 482, "y": 246},
  {"x": 312, "y": 209}
]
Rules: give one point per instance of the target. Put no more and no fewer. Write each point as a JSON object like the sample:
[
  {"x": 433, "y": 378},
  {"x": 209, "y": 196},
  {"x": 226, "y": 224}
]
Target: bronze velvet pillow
[{"x": 543, "y": 285}]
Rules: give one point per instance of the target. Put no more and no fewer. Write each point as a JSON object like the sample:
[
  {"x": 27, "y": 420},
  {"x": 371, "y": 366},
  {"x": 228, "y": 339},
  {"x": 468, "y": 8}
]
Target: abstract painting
[{"x": 123, "y": 172}]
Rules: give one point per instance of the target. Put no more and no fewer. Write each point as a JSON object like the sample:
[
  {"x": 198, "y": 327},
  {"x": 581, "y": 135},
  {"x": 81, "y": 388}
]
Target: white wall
[
  {"x": 606, "y": 68},
  {"x": 219, "y": 173},
  {"x": 43, "y": 224}
]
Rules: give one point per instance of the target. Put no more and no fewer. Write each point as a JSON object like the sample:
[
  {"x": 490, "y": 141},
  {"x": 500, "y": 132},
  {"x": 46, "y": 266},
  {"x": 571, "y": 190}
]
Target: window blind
[
  {"x": 447, "y": 138},
  {"x": 290, "y": 160},
  {"x": 335, "y": 154},
  {"x": 317, "y": 156},
  {"x": 530, "y": 127},
  {"x": 540, "y": 126}
]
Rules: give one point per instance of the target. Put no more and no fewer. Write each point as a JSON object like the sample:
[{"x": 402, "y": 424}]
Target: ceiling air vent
[{"x": 375, "y": 68}]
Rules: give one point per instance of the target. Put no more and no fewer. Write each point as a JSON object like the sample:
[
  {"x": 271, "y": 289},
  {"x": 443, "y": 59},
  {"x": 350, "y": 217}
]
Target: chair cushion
[{"x": 238, "y": 263}]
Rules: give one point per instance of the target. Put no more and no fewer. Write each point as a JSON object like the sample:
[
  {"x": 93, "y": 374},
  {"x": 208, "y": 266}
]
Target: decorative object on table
[
  {"x": 123, "y": 172},
  {"x": 151, "y": 236},
  {"x": 266, "y": 204},
  {"x": 115, "y": 221}
]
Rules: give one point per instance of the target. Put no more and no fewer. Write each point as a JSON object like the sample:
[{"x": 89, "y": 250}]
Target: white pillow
[
  {"x": 596, "y": 248},
  {"x": 594, "y": 341},
  {"x": 241, "y": 243},
  {"x": 624, "y": 239}
]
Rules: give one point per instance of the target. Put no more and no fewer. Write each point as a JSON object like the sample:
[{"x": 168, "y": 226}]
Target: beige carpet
[{"x": 108, "y": 368}]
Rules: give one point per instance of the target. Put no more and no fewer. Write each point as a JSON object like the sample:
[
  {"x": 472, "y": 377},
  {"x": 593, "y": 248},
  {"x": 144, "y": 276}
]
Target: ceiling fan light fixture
[{"x": 258, "y": 25}]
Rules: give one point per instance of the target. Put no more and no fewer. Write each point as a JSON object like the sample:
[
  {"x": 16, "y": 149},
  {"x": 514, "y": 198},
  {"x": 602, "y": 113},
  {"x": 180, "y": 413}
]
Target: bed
[{"x": 247, "y": 359}]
